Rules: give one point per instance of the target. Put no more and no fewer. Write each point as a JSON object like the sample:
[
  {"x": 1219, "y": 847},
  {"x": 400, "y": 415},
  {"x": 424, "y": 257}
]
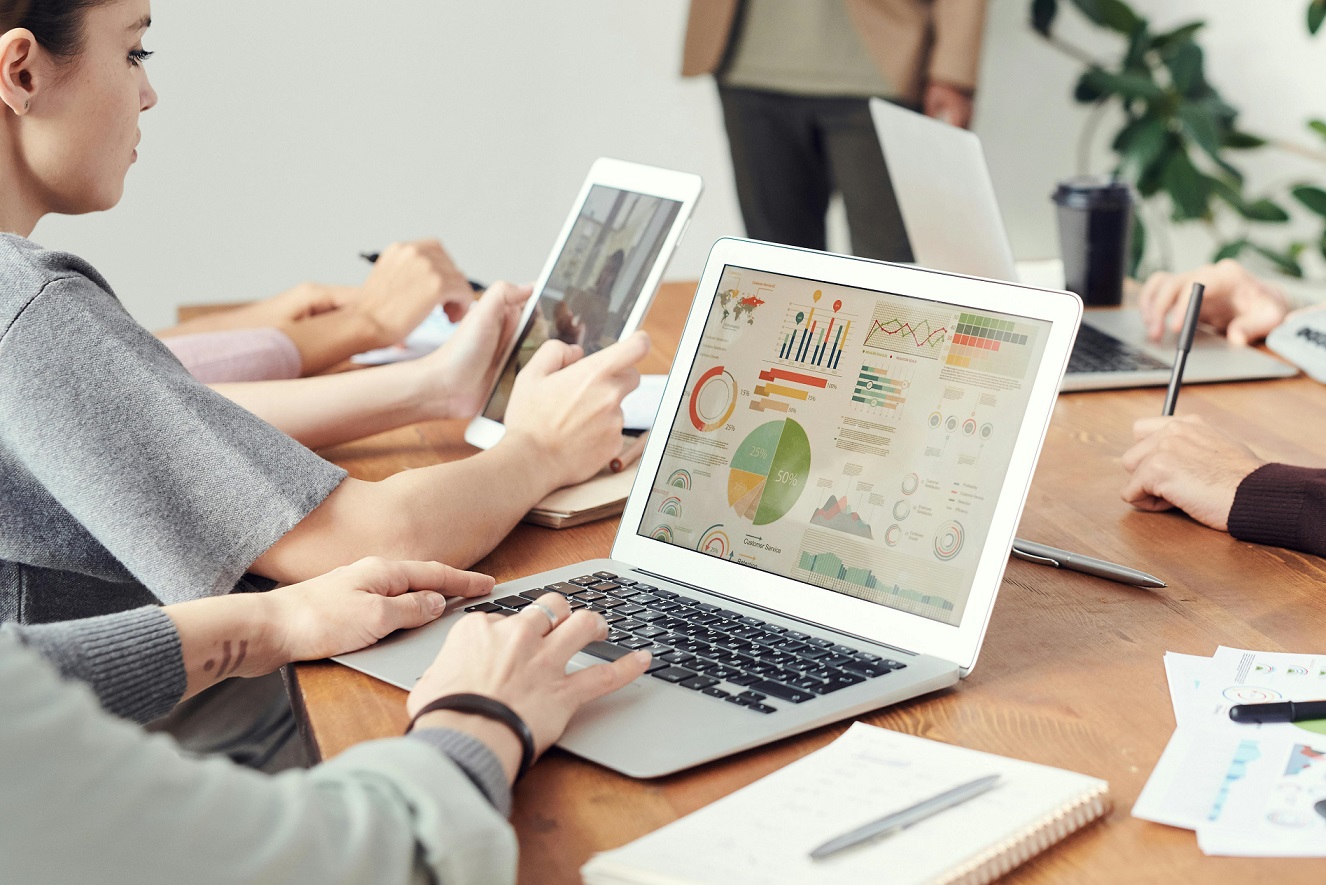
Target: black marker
[
  {"x": 372, "y": 258},
  {"x": 1280, "y": 711}
]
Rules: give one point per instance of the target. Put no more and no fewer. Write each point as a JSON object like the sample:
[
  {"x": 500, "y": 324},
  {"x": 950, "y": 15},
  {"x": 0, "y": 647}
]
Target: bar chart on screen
[{"x": 815, "y": 334}]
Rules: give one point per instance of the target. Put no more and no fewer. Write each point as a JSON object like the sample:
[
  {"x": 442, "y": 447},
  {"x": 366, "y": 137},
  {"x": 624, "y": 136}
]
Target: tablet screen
[{"x": 596, "y": 281}]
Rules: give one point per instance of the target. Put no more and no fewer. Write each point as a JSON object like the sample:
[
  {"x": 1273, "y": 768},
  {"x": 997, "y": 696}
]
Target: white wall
[{"x": 290, "y": 136}]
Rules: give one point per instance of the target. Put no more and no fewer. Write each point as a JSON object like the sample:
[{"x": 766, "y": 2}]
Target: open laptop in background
[
  {"x": 822, "y": 516},
  {"x": 953, "y": 222}
]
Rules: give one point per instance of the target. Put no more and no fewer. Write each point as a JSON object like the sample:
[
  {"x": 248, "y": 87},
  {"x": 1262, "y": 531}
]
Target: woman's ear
[{"x": 18, "y": 86}]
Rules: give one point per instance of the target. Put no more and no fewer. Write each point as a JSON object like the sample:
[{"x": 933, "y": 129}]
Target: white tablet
[{"x": 601, "y": 275}]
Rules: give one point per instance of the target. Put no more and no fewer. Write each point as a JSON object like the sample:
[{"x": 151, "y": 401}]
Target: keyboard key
[
  {"x": 625, "y": 592},
  {"x": 607, "y": 576},
  {"x": 740, "y": 702},
  {"x": 699, "y": 683},
  {"x": 625, "y": 582},
  {"x": 673, "y": 674},
  {"x": 644, "y": 598},
  {"x": 762, "y": 708},
  {"x": 678, "y": 657},
  {"x": 630, "y": 608},
  {"x": 785, "y": 692},
  {"x": 616, "y": 635},
  {"x": 646, "y": 588},
  {"x": 610, "y": 602},
  {"x": 605, "y": 650},
  {"x": 714, "y": 692},
  {"x": 649, "y": 632},
  {"x": 664, "y": 594},
  {"x": 656, "y": 664},
  {"x": 809, "y": 683},
  {"x": 565, "y": 588},
  {"x": 613, "y": 618},
  {"x": 514, "y": 602},
  {"x": 535, "y": 593},
  {"x": 630, "y": 624},
  {"x": 577, "y": 605},
  {"x": 895, "y": 665},
  {"x": 751, "y": 696},
  {"x": 486, "y": 608},
  {"x": 604, "y": 587},
  {"x": 650, "y": 615},
  {"x": 845, "y": 650},
  {"x": 866, "y": 668},
  {"x": 745, "y": 679},
  {"x": 774, "y": 628},
  {"x": 706, "y": 607},
  {"x": 636, "y": 643},
  {"x": 585, "y": 580},
  {"x": 866, "y": 656},
  {"x": 842, "y": 680},
  {"x": 588, "y": 596},
  {"x": 819, "y": 643}
]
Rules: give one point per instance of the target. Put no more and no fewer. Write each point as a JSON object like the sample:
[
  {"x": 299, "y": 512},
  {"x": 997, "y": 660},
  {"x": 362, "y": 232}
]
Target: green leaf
[
  {"x": 1285, "y": 262},
  {"x": 1318, "y": 126},
  {"x": 1137, "y": 245},
  {"x": 1182, "y": 34},
  {"x": 1241, "y": 141},
  {"x": 1311, "y": 196},
  {"x": 1321, "y": 245},
  {"x": 1105, "y": 83},
  {"x": 1140, "y": 144},
  {"x": 1265, "y": 210},
  {"x": 1188, "y": 189},
  {"x": 1113, "y": 14},
  {"x": 1042, "y": 15},
  {"x": 1201, "y": 127},
  {"x": 1185, "y": 68},
  {"x": 1230, "y": 250},
  {"x": 1316, "y": 15}
]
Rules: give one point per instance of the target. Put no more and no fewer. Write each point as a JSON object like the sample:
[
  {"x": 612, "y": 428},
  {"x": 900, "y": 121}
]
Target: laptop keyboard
[
  {"x": 1097, "y": 351},
  {"x": 707, "y": 649}
]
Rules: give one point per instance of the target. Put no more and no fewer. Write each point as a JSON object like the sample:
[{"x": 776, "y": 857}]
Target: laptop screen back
[{"x": 851, "y": 439}]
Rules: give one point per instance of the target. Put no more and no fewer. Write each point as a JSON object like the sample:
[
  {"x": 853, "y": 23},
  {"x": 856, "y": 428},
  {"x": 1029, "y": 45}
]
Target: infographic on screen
[{"x": 850, "y": 439}]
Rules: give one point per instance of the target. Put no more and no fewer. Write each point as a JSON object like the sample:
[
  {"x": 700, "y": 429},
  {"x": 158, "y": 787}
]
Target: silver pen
[
  {"x": 1043, "y": 554},
  {"x": 912, "y": 814}
]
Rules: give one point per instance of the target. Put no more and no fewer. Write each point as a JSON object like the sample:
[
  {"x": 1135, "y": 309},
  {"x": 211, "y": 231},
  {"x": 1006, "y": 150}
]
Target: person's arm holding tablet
[{"x": 564, "y": 425}]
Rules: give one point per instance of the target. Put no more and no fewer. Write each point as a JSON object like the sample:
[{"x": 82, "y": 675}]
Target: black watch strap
[{"x": 479, "y": 705}]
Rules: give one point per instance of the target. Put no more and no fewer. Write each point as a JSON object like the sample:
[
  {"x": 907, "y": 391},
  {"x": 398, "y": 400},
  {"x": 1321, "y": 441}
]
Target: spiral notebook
[{"x": 765, "y": 832}]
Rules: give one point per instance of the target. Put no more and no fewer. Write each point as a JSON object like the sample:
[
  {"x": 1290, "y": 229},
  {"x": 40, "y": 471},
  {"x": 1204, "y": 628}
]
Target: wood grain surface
[{"x": 1071, "y": 671}]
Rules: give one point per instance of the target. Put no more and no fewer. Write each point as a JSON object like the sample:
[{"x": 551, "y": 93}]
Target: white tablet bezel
[
  {"x": 681, "y": 187},
  {"x": 958, "y": 643}
]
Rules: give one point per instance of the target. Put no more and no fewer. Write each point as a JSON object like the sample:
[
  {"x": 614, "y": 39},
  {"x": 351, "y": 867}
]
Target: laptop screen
[
  {"x": 596, "y": 281},
  {"x": 851, "y": 439}
]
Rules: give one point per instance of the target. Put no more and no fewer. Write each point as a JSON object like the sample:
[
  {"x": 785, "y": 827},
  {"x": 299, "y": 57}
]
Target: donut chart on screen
[{"x": 713, "y": 400}]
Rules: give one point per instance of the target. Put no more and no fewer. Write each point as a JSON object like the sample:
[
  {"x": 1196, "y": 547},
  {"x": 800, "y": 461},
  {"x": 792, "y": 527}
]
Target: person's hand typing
[
  {"x": 520, "y": 660},
  {"x": 356, "y": 605},
  {"x": 1235, "y": 302},
  {"x": 407, "y": 281}
]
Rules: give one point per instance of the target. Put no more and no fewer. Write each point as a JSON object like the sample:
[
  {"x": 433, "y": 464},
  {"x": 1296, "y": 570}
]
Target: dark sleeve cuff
[
  {"x": 474, "y": 758},
  {"x": 132, "y": 660},
  {"x": 1282, "y": 506}
]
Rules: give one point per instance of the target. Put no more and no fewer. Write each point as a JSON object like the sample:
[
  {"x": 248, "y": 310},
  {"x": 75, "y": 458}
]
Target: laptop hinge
[{"x": 771, "y": 611}]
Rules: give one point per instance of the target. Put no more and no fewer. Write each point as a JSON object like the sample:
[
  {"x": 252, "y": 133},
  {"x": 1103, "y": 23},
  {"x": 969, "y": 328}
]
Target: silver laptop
[
  {"x": 822, "y": 516},
  {"x": 953, "y": 221}
]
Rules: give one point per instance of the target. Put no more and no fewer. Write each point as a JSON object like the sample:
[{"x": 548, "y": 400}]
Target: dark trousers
[{"x": 790, "y": 153}]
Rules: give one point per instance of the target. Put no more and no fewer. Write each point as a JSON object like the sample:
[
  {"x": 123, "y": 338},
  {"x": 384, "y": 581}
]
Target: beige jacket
[{"x": 913, "y": 42}]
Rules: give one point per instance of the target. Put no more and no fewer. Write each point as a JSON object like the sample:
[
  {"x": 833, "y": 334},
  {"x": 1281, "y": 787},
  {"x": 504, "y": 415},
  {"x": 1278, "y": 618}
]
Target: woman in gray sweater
[{"x": 88, "y": 797}]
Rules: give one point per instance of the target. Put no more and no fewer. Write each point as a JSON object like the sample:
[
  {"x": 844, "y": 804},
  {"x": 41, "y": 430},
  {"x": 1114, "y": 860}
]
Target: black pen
[
  {"x": 372, "y": 258},
  {"x": 1280, "y": 711},
  {"x": 1185, "y": 344}
]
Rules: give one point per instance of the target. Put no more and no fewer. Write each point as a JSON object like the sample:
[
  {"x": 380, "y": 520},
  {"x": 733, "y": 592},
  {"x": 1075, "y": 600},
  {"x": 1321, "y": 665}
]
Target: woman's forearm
[
  {"x": 226, "y": 636},
  {"x": 453, "y": 513},
  {"x": 332, "y": 409}
]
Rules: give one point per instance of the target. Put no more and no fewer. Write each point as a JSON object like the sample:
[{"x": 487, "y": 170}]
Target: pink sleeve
[{"x": 242, "y": 355}]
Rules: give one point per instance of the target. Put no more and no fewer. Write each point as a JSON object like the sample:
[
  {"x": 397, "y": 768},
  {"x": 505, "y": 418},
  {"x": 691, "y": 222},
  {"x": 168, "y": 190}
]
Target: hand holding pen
[{"x": 1066, "y": 559}]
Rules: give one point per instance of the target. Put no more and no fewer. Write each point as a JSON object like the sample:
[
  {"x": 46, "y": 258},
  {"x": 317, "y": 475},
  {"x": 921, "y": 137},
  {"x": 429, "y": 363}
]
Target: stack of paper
[{"x": 1250, "y": 790}]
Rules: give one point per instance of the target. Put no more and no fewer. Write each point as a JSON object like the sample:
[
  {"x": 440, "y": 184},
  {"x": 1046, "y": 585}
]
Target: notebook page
[{"x": 765, "y": 832}]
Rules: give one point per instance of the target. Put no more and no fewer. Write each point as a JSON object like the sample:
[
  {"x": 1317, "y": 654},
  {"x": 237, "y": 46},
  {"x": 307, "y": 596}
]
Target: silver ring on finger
[{"x": 549, "y": 613}]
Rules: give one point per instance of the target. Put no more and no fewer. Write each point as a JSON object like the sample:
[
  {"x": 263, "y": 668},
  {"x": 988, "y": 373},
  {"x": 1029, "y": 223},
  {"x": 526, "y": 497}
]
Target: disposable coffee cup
[{"x": 1095, "y": 233}]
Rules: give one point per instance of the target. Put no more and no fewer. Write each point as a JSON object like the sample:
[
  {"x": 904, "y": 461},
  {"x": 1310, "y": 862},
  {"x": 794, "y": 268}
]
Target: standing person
[
  {"x": 794, "y": 78},
  {"x": 127, "y": 482}
]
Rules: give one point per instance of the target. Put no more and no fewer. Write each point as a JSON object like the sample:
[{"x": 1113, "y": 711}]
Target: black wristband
[{"x": 488, "y": 708}]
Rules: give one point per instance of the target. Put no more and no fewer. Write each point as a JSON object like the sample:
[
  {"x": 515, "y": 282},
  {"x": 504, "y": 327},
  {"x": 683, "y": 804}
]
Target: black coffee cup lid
[{"x": 1093, "y": 192}]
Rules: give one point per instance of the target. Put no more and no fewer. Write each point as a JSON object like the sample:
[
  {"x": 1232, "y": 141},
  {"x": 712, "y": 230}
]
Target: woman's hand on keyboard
[{"x": 1235, "y": 302}]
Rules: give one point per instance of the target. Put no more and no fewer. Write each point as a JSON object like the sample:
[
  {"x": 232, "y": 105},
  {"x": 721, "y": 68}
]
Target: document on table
[{"x": 1246, "y": 789}]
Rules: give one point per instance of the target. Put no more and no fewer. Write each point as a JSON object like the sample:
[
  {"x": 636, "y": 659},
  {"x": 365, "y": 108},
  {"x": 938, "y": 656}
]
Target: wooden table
[{"x": 1070, "y": 674}]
